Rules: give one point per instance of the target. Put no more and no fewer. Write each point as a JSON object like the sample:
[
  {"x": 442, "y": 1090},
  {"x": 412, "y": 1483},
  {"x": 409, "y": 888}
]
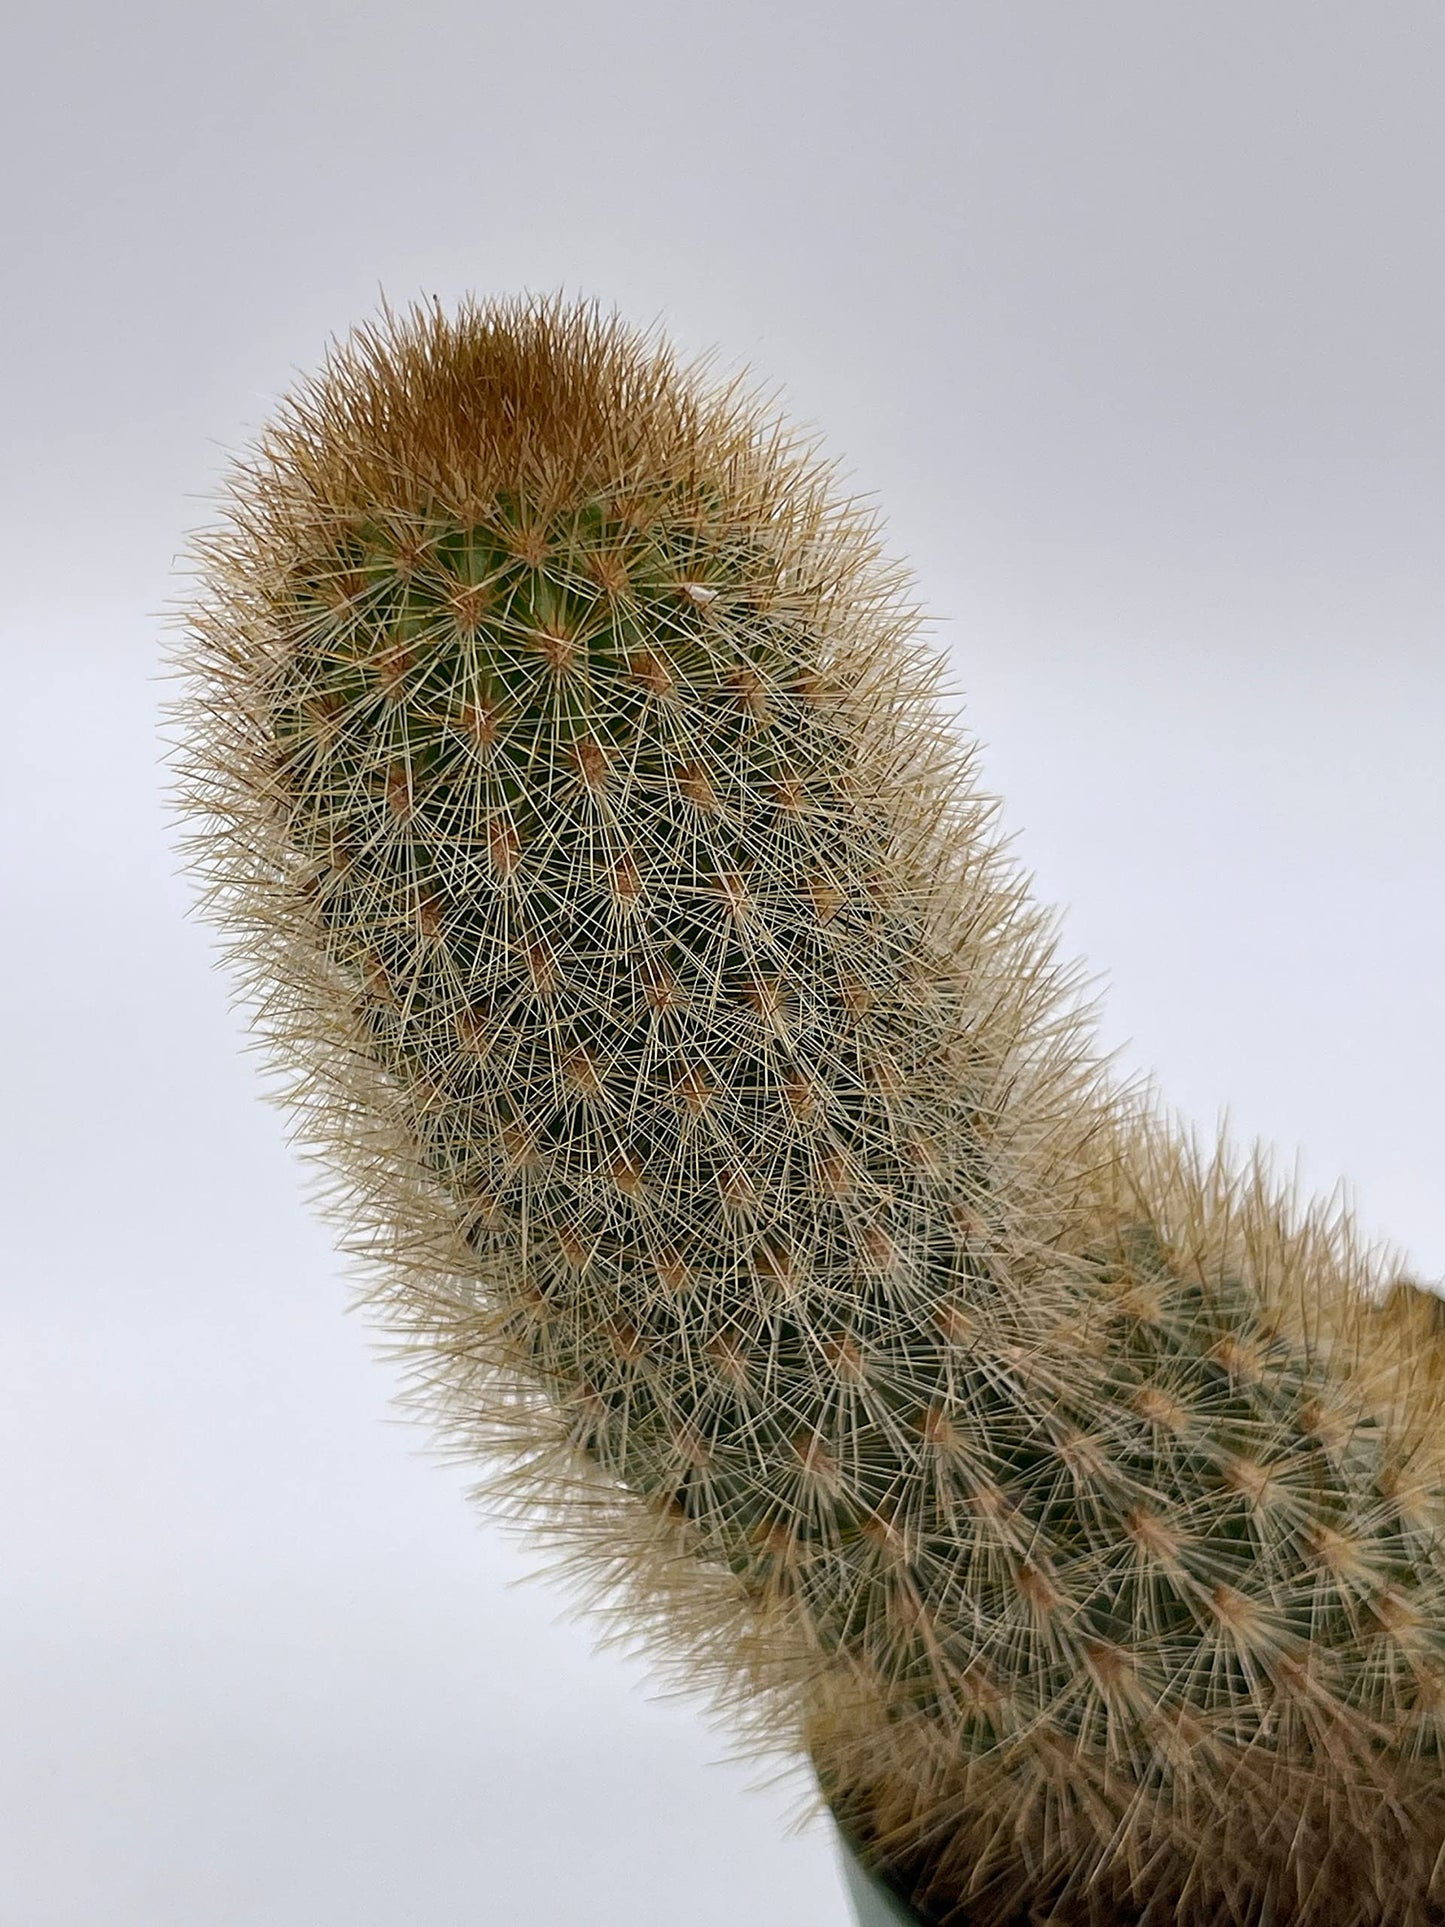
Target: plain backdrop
[{"x": 1131, "y": 316}]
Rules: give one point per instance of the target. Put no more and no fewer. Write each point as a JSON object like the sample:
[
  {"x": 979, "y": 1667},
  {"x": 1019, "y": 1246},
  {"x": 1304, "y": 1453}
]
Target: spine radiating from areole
[{"x": 731, "y": 1164}]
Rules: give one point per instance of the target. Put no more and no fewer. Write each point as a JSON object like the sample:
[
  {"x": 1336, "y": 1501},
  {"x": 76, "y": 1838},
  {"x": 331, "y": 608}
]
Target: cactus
[{"x": 733, "y": 1170}]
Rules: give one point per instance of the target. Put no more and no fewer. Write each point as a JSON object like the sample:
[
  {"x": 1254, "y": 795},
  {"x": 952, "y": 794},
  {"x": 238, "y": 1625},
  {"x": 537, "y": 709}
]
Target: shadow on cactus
[{"x": 732, "y": 1167}]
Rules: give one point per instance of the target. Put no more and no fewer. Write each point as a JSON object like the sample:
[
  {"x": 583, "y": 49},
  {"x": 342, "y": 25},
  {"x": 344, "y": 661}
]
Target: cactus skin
[{"x": 734, "y": 1175}]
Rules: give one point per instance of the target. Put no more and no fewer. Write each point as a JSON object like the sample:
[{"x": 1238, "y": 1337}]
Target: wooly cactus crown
[{"x": 730, "y": 1163}]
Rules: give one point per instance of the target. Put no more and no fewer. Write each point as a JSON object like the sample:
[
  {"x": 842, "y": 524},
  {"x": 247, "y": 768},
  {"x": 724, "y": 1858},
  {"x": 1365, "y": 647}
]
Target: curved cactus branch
[{"x": 734, "y": 1171}]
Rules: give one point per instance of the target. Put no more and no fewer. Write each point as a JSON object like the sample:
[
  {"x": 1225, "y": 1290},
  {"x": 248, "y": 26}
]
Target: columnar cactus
[{"x": 731, "y": 1165}]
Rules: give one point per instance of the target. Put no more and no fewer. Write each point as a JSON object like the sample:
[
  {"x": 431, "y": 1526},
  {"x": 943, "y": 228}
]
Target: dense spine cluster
[{"x": 734, "y": 1172}]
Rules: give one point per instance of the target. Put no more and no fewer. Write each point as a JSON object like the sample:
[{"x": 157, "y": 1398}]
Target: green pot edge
[{"x": 874, "y": 1904}]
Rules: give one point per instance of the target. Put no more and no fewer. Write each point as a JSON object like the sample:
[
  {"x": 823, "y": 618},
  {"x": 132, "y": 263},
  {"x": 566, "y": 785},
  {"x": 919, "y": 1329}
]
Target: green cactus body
[{"x": 728, "y": 1156}]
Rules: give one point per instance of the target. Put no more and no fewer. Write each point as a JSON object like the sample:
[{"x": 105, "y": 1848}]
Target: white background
[{"x": 1131, "y": 315}]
